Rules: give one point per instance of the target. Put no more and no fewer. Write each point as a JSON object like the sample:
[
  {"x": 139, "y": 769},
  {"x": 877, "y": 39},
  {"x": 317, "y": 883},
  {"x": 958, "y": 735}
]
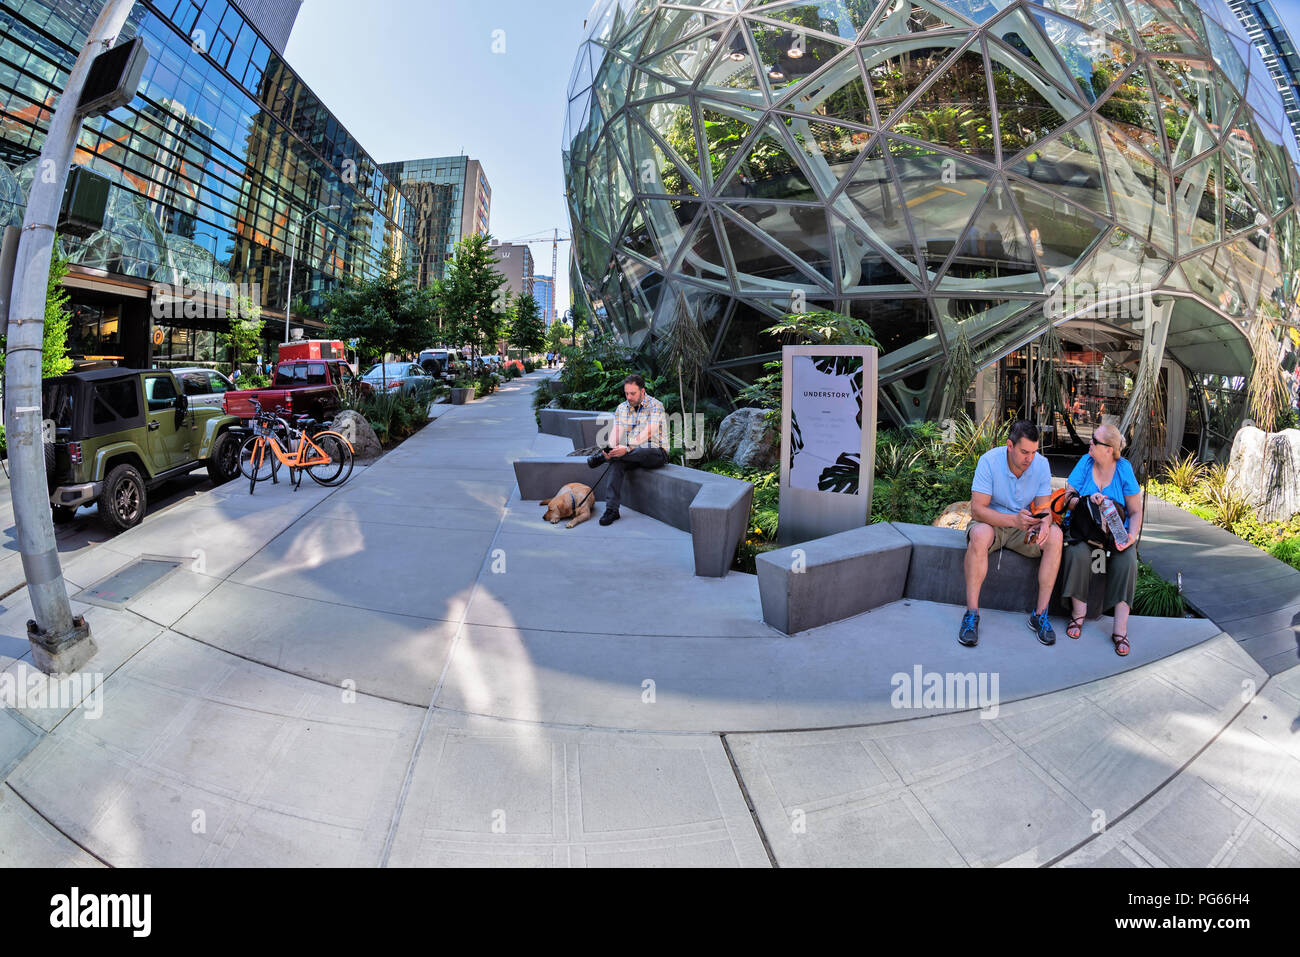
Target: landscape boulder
[
  {"x": 354, "y": 427},
  {"x": 955, "y": 516},
  {"x": 747, "y": 439},
  {"x": 1265, "y": 471}
]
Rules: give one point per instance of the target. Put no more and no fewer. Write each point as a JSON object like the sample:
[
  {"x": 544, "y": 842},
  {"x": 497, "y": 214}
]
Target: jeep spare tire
[
  {"x": 123, "y": 501},
  {"x": 223, "y": 465}
]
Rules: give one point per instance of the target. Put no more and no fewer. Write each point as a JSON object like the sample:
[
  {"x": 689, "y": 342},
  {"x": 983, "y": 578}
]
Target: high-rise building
[
  {"x": 224, "y": 160},
  {"x": 448, "y": 199},
  {"x": 1275, "y": 46},
  {"x": 544, "y": 293},
  {"x": 516, "y": 262},
  {"x": 274, "y": 18}
]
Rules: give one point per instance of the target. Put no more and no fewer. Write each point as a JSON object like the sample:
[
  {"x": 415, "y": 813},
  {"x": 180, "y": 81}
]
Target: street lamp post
[
  {"x": 60, "y": 643},
  {"x": 293, "y": 250}
]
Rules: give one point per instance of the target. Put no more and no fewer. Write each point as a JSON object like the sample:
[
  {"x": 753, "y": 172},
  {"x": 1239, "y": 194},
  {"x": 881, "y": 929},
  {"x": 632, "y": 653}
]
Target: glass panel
[
  {"x": 840, "y": 18},
  {"x": 758, "y": 265},
  {"x": 801, "y": 230},
  {"x": 1140, "y": 191},
  {"x": 897, "y": 69},
  {"x": 1131, "y": 109},
  {"x": 1059, "y": 233},
  {"x": 863, "y": 265},
  {"x": 658, "y": 170},
  {"x": 940, "y": 192},
  {"x": 995, "y": 253},
  {"x": 725, "y": 131},
  {"x": 789, "y": 56},
  {"x": 905, "y": 328},
  {"x": 872, "y": 205},
  {"x": 954, "y": 111},
  {"x": 1029, "y": 107},
  {"x": 831, "y": 150},
  {"x": 1197, "y": 198},
  {"x": 704, "y": 259},
  {"x": 733, "y": 71},
  {"x": 769, "y": 172},
  {"x": 840, "y": 95},
  {"x": 1069, "y": 164}
]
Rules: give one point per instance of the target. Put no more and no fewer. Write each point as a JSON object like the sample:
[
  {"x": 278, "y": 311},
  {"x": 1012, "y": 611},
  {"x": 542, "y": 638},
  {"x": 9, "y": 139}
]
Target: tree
[
  {"x": 472, "y": 298},
  {"x": 386, "y": 314},
  {"x": 560, "y": 335},
  {"x": 528, "y": 331},
  {"x": 58, "y": 317},
  {"x": 245, "y": 335}
]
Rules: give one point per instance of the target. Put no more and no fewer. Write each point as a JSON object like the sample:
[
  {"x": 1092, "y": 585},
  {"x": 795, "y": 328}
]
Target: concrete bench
[
  {"x": 714, "y": 509},
  {"x": 938, "y": 574},
  {"x": 580, "y": 427},
  {"x": 833, "y": 578},
  {"x": 846, "y": 575}
]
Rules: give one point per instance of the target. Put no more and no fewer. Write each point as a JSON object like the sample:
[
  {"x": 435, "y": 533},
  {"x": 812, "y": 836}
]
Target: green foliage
[
  {"x": 559, "y": 336},
  {"x": 529, "y": 367},
  {"x": 245, "y": 336},
  {"x": 528, "y": 330},
  {"x": 387, "y": 314},
  {"x": 54, "y": 337},
  {"x": 1230, "y": 508},
  {"x": 472, "y": 299},
  {"x": 594, "y": 373},
  {"x": 824, "y": 327},
  {"x": 485, "y": 384},
  {"x": 394, "y": 417},
  {"x": 1185, "y": 473},
  {"x": 1155, "y": 597},
  {"x": 760, "y": 536}
]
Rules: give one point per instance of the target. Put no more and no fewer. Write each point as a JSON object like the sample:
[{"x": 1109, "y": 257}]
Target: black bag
[{"x": 1085, "y": 523}]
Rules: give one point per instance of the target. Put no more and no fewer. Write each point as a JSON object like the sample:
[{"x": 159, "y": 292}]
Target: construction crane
[{"x": 556, "y": 239}]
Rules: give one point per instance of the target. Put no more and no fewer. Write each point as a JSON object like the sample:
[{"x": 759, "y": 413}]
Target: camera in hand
[{"x": 596, "y": 461}]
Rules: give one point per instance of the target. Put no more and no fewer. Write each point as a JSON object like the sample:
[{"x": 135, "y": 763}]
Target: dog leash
[{"x": 574, "y": 498}]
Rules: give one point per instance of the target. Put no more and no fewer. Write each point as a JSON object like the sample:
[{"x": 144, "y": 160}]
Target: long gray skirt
[{"x": 1121, "y": 569}]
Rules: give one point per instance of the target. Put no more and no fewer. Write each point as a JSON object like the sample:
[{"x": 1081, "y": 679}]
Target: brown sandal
[
  {"x": 1121, "y": 645},
  {"x": 1076, "y": 624}
]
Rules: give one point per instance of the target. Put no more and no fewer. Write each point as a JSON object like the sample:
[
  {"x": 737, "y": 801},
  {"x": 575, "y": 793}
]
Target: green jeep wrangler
[{"x": 114, "y": 434}]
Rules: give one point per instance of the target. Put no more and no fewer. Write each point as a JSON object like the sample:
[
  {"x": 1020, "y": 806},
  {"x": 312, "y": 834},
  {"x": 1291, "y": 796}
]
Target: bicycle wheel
[
  {"x": 340, "y": 468},
  {"x": 256, "y": 460}
]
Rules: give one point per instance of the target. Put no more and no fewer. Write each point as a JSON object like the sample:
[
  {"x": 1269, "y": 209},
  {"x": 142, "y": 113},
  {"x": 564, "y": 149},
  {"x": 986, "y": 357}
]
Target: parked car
[
  {"x": 302, "y": 387},
  {"x": 205, "y": 388},
  {"x": 405, "y": 377},
  {"x": 120, "y": 433},
  {"x": 434, "y": 361}
]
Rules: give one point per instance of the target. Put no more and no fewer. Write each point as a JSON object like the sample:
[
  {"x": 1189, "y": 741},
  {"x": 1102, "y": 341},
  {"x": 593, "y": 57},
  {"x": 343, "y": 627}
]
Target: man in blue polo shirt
[{"x": 1012, "y": 485}]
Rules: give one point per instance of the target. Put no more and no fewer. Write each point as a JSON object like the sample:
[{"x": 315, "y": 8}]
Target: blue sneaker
[
  {"x": 1039, "y": 624},
  {"x": 970, "y": 630}
]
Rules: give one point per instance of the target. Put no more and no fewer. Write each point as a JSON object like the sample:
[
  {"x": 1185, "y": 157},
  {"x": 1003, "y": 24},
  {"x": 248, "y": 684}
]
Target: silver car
[
  {"x": 404, "y": 376},
  {"x": 205, "y": 388}
]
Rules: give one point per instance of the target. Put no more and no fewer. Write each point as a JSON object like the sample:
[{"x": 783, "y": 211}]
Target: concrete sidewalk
[{"x": 415, "y": 670}]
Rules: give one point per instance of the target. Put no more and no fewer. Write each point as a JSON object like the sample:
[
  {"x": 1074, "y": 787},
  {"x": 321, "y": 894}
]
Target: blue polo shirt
[{"x": 1011, "y": 495}]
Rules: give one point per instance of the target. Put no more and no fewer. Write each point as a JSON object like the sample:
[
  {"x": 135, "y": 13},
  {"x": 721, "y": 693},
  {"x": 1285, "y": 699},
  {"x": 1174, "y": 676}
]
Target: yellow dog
[{"x": 573, "y": 501}]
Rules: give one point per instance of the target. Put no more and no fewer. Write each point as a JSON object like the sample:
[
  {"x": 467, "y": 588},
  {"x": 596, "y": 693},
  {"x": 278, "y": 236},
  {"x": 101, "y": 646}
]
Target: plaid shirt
[{"x": 632, "y": 422}]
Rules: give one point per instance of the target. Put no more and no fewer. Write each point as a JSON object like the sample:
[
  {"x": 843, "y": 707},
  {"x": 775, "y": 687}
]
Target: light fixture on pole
[{"x": 293, "y": 250}]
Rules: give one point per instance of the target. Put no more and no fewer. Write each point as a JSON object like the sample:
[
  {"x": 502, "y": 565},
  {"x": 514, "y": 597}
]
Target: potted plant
[{"x": 462, "y": 390}]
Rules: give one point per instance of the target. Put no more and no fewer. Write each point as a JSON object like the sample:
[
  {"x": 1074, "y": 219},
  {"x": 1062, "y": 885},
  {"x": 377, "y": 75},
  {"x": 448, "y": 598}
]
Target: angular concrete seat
[
  {"x": 582, "y": 427},
  {"x": 715, "y": 509},
  {"x": 939, "y": 574},
  {"x": 834, "y": 578}
]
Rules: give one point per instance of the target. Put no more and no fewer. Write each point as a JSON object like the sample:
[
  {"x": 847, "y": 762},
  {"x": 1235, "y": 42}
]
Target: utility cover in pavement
[{"x": 127, "y": 584}]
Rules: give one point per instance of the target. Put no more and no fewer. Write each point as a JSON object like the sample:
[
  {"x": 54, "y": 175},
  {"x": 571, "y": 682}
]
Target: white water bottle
[{"x": 1110, "y": 515}]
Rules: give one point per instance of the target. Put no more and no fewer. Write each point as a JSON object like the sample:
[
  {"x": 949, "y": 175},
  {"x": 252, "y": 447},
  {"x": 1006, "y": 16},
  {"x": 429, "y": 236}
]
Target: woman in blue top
[{"x": 1105, "y": 473}]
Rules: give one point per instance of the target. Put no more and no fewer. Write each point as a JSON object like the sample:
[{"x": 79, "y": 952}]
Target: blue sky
[{"x": 417, "y": 78}]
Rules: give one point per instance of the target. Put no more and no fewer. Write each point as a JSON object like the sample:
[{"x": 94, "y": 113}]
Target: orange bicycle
[{"x": 326, "y": 456}]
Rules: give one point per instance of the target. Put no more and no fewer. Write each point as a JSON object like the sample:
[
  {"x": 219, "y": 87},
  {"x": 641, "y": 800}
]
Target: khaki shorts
[{"x": 1010, "y": 538}]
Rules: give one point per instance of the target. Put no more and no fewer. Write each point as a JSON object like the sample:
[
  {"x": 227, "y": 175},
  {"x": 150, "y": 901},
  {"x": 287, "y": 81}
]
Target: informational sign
[{"x": 828, "y": 440}]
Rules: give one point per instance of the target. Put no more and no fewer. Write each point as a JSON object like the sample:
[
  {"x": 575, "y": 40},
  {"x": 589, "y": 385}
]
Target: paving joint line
[
  {"x": 749, "y": 803},
  {"x": 58, "y": 830}
]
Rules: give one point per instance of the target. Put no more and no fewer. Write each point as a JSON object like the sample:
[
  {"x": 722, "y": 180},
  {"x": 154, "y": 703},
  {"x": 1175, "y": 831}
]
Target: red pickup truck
[{"x": 302, "y": 387}]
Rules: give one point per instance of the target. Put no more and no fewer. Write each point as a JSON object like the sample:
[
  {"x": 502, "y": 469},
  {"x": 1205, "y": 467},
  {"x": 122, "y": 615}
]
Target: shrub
[
  {"x": 1185, "y": 473},
  {"x": 1155, "y": 597},
  {"x": 394, "y": 417},
  {"x": 529, "y": 367},
  {"x": 1230, "y": 508}
]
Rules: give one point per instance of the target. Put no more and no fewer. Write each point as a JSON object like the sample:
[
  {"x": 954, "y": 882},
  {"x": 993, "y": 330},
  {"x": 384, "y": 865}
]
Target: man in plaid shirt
[{"x": 640, "y": 441}]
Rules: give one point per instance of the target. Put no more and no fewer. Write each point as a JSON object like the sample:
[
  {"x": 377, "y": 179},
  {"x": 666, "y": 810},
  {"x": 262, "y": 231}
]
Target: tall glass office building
[
  {"x": 1275, "y": 45},
  {"x": 958, "y": 174},
  {"x": 448, "y": 199},
  {"x": 215, "y": 167}
]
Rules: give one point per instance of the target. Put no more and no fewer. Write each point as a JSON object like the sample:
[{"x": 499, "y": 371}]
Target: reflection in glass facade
[
  {"x": 215, "y": 163},
  {"x": 447, "y": 199},
  {"x": 939, "y": 169}
]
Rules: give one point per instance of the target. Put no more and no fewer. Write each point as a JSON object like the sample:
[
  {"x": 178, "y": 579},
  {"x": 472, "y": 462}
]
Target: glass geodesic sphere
[{"x": 943, "y": 170}]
